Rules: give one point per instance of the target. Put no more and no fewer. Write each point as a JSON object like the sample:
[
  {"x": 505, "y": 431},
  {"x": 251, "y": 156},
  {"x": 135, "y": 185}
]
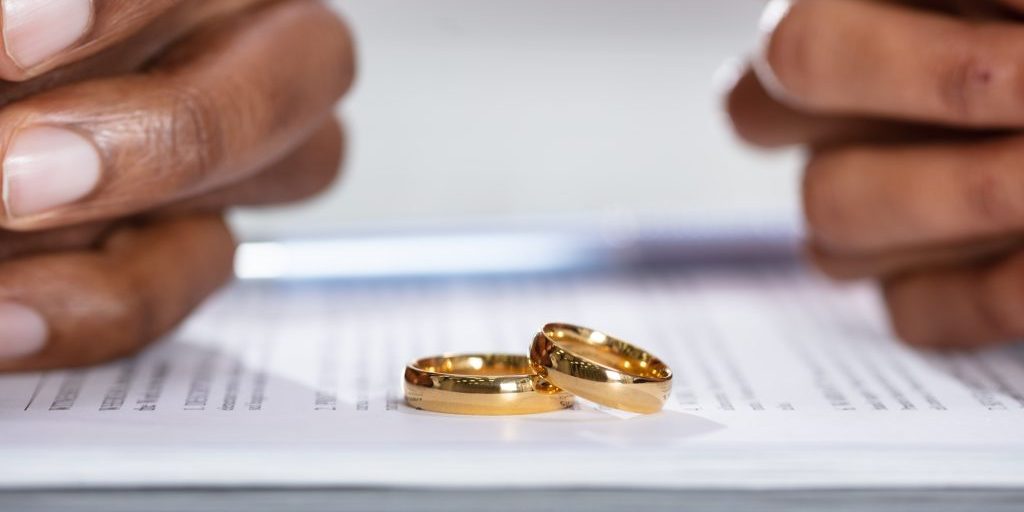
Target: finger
[
  {"x": 868, "y": 58},
  {"x": 1017, "y": 5},
  {"x": 40, "y": 35},
  {"x": 13, "y": 244},
  {"x": 109, "y": 148},
  {"x": 959, "y": 308},
  {"x": 868, "y": 199},
  {"x": 973, "y": 9},
  {"x": 884, "y": 265},
  {"x": 86, "y": 307},
  {"x": 129, "y": 55},
  {"x": 304, "y": 173},
  {"x": 761, "y": 120}
]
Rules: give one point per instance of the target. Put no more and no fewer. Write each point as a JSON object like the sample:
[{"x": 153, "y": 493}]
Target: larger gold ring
[
  {"x": 600, "y": 368},
  {"x": 480, "y": 384}
]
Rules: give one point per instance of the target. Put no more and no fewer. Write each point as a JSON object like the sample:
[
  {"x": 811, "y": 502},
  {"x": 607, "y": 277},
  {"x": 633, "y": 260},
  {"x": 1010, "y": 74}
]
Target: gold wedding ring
[
  {"x": 480, "y": 384},
  {"x": 600, "y": 368}
]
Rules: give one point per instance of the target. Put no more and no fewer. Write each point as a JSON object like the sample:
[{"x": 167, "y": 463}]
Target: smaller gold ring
[
  {"x": 600, "y": 368},
  {"x": 490, "y": 384}
]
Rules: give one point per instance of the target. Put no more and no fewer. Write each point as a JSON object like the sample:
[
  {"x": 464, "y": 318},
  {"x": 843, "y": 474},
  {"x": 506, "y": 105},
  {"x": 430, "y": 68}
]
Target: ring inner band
[
  {"x": 608, "y": 351},
  {"x": 486, "y": 365},
  {"x": 480, "y": 384}
]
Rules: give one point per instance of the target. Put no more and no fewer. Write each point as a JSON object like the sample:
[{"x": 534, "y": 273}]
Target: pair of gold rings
[{"x": 565, "y": 361}]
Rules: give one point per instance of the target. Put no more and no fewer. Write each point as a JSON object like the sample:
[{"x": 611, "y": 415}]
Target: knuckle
[
  {"x": 965, "y": 84},
  {"x": 992, "y": 196},
  {"x": 191, "y": 130},
  {"x": 976, "y": 85},
  {"x": 97, "y": 305}
]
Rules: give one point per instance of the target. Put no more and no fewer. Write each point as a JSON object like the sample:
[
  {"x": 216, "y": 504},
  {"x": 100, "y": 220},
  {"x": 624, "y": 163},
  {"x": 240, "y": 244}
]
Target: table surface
[{"x": 511, "y": 500}]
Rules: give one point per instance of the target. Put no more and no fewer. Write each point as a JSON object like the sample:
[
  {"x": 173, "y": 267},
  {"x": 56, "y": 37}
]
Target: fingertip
[
  {"x": 37, "y": 32},
  {"x": 904, "y": 320},
  {"x": 205, "y": 138},
  {"x": 349, "y": 62},
  {"x": 9, "y": 71},
  {"x": 743, "y": 107},
  {"x": 922, "y": 315},
  {"x": 942, "y": 309},
  {"x": 832, "y": 267},
  {"x": 46, "y": 168},
  {"x": 23, "y": 331},
  {"x": 322, "y": 160},
  {"x": 774, "y": 48},
  {"x": 86, "y": 307}
]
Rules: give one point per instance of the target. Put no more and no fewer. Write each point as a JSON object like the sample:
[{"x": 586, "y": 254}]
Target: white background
[{"x": 476, "y": 109}]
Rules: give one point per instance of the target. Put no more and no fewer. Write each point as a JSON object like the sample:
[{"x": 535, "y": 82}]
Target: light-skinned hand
[{"x": 912, "y": 113}]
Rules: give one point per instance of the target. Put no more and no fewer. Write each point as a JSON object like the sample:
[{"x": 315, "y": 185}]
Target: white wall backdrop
[{"x": 470, "y": 109}]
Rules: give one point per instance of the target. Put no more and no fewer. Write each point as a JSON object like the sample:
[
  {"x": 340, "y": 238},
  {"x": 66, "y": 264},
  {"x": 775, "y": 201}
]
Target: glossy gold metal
[
  {"x": 486, "y": 384},
  {"x": 601, "y": 368}
]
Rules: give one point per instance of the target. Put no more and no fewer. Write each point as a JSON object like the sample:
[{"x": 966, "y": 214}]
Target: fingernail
[
  {"x": 36, "y": 30},
  {"x": 23, "y": 331},
  {"x": 46, "y": 167}
]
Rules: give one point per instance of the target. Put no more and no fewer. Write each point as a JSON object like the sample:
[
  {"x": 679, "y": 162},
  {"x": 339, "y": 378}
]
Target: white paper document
[{"x": 781, "y": 380}]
